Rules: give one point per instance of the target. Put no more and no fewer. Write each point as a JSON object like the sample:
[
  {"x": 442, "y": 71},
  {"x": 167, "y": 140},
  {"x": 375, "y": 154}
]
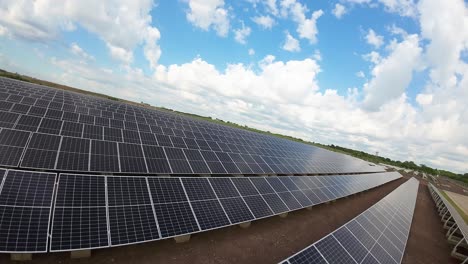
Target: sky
[{"x": 386, "y": 76}]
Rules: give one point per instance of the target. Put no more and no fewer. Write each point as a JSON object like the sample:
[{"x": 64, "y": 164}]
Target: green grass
[{"x": 454, "y": 204}]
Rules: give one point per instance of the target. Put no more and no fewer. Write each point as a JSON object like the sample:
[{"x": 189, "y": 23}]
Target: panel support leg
[
  {"x": 21, "y": 256},
  {"x": 245, "y": 225},
  {"x": 86, "y": 253},
  {"x": 182, "y": 239},
  {"x": 283, "y": 215}
]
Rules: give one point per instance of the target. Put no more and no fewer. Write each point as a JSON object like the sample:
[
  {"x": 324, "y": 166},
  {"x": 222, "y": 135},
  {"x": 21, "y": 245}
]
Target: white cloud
[
  {"x": 424, "y": 99},
  {"x": 402, "y": 7},
  {"x": 272, "y": 8},
  {"x": 405, "y": 8},
  {"x": 3, "y": 31},
  {"x": 241, "y": 34},
  {"x": 284, "y": 96},
  {"x": 291, "y": 44},
  {"x": 77, "y": 50},
  {"x": 446, "y": 40},
  {"x": 373, "y": 39},
  {"x": 339, "y": 10},
  {"x": 373, "y": 57},
  {"x": 251, "y": 52},
  {"x": 120, "y": 24},
  {"x": 392, "y": 75},
  {"x": 206, "y": 14},
  {"x": 265, "y": 22},
  {"x": 120, "y": 54},
  {"x": 360, "y": 74},
  {"x": 317, "y": 55},
  {"x": 306, "y": 27}
]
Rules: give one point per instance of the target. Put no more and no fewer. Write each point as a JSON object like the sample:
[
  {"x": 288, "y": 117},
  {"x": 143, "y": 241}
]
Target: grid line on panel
[
  {"x": 219, "y": 201},
  {"x": 190, "y": 204},
  {"x": 152, "y": 206},
  {"x": 24, "y": 221}
]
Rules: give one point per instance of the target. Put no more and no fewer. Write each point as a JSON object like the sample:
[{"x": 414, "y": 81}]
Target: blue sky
[{"x": 375, "y": 75}]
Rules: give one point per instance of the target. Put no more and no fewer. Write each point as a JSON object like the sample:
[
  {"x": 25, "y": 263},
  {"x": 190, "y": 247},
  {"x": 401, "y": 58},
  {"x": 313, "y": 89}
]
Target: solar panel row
[
  {"x": 102, "y": 211},
  {"x": 455, "y": 223},
  {"x": 61, "y": 130},
  {"x": 378, "y": 235}
]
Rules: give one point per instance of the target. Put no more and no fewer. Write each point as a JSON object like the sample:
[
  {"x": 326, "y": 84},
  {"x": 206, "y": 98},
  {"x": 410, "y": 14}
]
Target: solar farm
[{"x": 82, "y": 174}]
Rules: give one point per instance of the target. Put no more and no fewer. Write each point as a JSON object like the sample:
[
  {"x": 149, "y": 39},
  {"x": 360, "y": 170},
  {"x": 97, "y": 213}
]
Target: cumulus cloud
[
  {"x": 291, "y": 44},
  {"x": 446, "y": 40},
  {"x": 265, "y": 22},
  {"x": 284, "y": 96},
  {"x": 306, "y": 27},
  {"x": 392, "y": 75},
  {"x": 241, "y": 34},
  {"x": 373, "y": 39},
  {"x": 78, "y": 51},
  {"x": 339, "y": 10},
  {"x": 206, "y": 14},
  {"x": 251, "y": 52},
  {"x": 360, "y": 74},
  {"x": 406, "y": 8},
  {"x": 120, "y": 24},
  {"x": 424, "y": 99}
]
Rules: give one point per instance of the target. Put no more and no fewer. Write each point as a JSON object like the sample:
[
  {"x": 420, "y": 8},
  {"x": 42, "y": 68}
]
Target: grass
[{"x": 454, "y": 204}]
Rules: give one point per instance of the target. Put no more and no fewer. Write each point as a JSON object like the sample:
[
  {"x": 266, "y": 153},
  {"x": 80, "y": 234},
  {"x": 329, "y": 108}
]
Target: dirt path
[{"x": 427, "y": 243}]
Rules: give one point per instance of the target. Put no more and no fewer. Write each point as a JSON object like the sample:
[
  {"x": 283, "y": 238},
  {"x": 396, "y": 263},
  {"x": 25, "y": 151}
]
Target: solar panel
[
  {"x": 360, "y": 240},
  {"x": 12, "y": 144},
  {"x": 80, "y": 217},
  {"x": 41, "y": 151},
  {"x": 236, "y": 209},
  {"x": 131, "y": 215},
  {"x": 25, "y": 205},
  {"x": 58, "y": 112}
]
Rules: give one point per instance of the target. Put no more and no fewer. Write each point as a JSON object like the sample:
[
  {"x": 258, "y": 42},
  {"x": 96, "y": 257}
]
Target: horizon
[{"x": 402, "y": 75}]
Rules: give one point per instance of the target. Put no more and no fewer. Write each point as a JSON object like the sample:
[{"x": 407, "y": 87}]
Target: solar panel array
[
  {"x": 446, "y": 209},
  {"x": 378, "y": 235},
  {"x": 52, "y": 129},
  {"x": 94, "y": 211}
]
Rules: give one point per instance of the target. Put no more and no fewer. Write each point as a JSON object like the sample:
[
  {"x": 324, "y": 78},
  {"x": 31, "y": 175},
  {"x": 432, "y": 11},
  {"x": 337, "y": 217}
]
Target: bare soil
[{"x": 427, "y": 243}]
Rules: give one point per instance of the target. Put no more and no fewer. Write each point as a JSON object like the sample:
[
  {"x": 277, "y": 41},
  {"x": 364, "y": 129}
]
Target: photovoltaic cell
[
  {"x": 310, "y": 255},
  {"x": 210, "y": 214},
  {"x": 236, "y": 210},
  {"x": 25, "y": 201},
  {"x": 41, "y": 152},
  {"x": 175, "y": 218},
  {"x": 333, "y": 251},
  {"x": 12, "y": 143},
  {"x": 131, "y": 224},
  {"x": 258, "y": 206},
  {"x": 23, "y": 188},
  {"x": 224, "y": 187},
  {"x": 198, "y": 189},
  {"x": 79, "y": 228}
]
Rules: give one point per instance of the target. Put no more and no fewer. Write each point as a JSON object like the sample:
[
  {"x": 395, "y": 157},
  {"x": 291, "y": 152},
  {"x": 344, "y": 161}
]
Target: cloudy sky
[{"x": 375, "y": 75}]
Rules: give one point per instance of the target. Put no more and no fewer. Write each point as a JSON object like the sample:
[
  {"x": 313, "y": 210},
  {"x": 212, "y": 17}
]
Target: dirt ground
[
  {"x": 272, "y": 239},
  {"x": 427, "y": 243}
]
